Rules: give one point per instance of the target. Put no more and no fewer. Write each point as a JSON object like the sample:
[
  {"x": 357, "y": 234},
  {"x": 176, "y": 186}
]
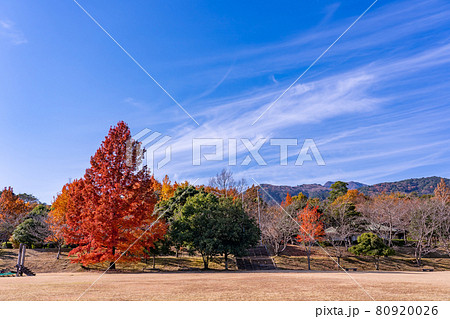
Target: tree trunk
[
  {"x": 390, "y": 238},
  {"x": 377, "y": 263},
  {"x": 205, "y": 263},
  {"x": 339, "y": 261},
  {"x": 308, "y": 252},
  {"x": 112, "y": 264},
  {"x": 154, "y": 262},
  {"x": 418, "y": 255},
  {"x": 390, "y": 234},
  {"x": 59, "y": 252},
  {"x": 226, "y": 261}
]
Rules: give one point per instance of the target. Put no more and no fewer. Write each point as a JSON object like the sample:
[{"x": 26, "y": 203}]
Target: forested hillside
[{"x": 421, "y": 186}]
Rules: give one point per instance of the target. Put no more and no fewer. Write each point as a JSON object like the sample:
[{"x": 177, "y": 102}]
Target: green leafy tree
[
  {"x": 29, "y": 198},
  {"x": 195, "y": 226},
  {"x": 175, "y": 203},
  {"x": 236, "y": 231},
  {"x": 337, "y": 189},
  {"x": 40, "y": 211},
  {"x": 370, "y": 244},
  {"x": 172, "y": 207},
  {"x": 214, "y": 226},
  {"x": 299, "y": 202},
  {"x": 160, "y": 247},
  {"x": 34, "y": 229}
]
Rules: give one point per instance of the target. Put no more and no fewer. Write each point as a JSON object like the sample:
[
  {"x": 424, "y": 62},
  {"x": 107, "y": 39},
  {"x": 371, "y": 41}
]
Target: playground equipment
[
  {"x": 7, "y": 273},
  {"x": 21, "y": 269}
]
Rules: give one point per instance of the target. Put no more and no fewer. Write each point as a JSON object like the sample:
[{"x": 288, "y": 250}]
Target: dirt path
[{"x": 276, "y": 285}]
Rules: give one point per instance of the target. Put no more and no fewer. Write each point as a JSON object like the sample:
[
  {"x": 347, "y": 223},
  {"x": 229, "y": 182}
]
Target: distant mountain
[
  {"x": 311, "y": 190},
  {"x": 278, "y": 193},
  {"x": 421, "y": 186},
  {"x": 351, "y": 185}
]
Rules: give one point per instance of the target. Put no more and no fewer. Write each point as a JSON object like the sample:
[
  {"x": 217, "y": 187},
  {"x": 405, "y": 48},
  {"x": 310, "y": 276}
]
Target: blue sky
[{"x": 376, "y": 104}]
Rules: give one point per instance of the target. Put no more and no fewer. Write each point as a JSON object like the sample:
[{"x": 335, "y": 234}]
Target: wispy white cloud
[
  {"x": 396, "y": 120},
  {"x": 384, "y": 28},
  {"x": 9, "y": 32}
]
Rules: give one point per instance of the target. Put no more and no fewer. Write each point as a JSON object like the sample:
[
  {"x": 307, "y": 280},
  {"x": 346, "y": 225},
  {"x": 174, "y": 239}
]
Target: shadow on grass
[{"x": 6, "y": 254}]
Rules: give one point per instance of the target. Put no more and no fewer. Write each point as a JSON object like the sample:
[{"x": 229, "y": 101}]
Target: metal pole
[
  {"x": 23, "y": 255},
  {"x": 19, "y": 258}
]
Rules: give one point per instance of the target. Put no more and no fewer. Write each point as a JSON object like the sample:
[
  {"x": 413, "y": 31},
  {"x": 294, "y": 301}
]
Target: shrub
[
  {"x": 15, "y": 244},
  {"x": 398, "y": 242},
  {"x": 7, "y": 245},
  {"x": 370, "y": 244}
]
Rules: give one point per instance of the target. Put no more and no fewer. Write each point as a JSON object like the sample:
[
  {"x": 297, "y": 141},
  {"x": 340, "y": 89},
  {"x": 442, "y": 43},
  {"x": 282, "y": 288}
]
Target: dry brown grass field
[
  {"x": 294, "y": 258},
  {"x": 237, "y": 285},
  {"x": 181, "y": 279}
]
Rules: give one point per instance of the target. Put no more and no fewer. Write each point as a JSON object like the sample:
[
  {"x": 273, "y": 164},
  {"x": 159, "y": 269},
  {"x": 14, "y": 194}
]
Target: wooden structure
[{"x": 257, "y": 258}]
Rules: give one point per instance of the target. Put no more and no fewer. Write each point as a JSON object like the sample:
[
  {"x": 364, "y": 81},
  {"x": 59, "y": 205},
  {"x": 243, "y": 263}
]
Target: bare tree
[
  {"x": 442, "y": 204},
  {"x": 225, "y": 182},
  {"x": 342, "y": 227},
  {"x": 386, "y": 215},
  {"x": 277, "y": 228},
  {"x": 442, "y": 216},
  {"x": 423, "y": 227}
]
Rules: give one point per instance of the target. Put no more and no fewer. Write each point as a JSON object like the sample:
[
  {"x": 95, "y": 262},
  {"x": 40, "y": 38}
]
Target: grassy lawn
[
  {"x": 182, "y": 279},
  {"x": 393, "y": 263},
  {"x": 44, "y": 261},
  {"x": 294, "y": 258},
  {"x": 232, "y": 285}
]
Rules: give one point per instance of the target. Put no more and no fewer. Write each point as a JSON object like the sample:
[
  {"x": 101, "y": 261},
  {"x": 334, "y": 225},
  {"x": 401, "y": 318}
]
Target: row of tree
[
  {"x": 119, "y": 211},
  {"x": 422, "y": 222}
]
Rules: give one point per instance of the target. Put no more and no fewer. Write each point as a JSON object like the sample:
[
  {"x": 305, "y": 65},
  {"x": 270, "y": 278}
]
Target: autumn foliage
[
  {"x": 12, "y": 212},
  {"x": 110, "y": 210},
  {"x": 311, "y": 225},
  {"x": 57, "y": 221},
  {"x": 287, "y": 201}
]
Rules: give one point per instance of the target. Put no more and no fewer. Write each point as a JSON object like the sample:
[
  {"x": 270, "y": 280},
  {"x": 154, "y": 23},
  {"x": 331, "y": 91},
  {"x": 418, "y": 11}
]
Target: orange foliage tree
[
  {"x": 287, "y": 201},
  {"x": 311, "y": 228},
  {"x": 167, "y": 189},
  {"x": 442, "y": 192},
  {"x": 110, "y": 212},
  {"x": 12, "y": 212},
  {"x": 57, "y": 218}
]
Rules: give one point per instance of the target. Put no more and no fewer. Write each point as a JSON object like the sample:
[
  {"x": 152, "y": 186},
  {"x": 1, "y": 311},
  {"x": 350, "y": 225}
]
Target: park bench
[
  {"x": 350, "y": 269},
  {"x": 427, "y": 269}
]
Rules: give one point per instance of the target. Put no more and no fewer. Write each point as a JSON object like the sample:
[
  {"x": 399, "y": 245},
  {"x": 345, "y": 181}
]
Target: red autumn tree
[
  {"x": 311, "y": 229},
  {"x": 110, "y": 211},
  {"x": 12, "y": 212}
]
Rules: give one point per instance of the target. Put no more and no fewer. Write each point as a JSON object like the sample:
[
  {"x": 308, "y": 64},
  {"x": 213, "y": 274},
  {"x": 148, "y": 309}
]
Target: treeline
[
  {"x": 422, "y": 222},
  {"x": 22, "y": 218},
  {"x": 118, "y": 212}
]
